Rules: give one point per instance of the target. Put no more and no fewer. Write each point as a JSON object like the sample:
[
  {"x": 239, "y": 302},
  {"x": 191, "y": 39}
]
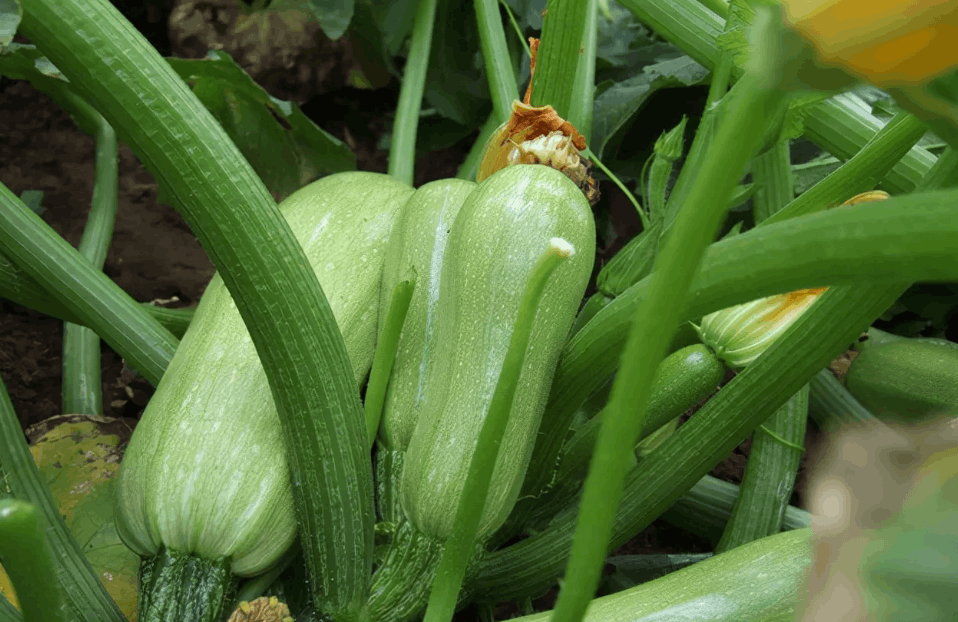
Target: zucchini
[
  {"x": 906, "y": 380},
  {"x": 495, "y": 242},
  {"x": 417, "y": 245},
  {"x": 205, "y": 473},
  {"x": 762, "y": 581}
]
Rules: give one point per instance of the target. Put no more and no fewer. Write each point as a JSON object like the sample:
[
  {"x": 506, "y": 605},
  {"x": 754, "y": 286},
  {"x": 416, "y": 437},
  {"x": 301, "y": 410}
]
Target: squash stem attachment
[
  {"x": 181, "y": 586},
  {"x": 386, "y": 356},
  {"x": 461, "y": 544},
  {"x": 29, "y": 562}
]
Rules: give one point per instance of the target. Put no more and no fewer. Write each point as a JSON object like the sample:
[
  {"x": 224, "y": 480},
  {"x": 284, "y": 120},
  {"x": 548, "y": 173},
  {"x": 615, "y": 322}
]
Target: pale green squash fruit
[
  {"x": 498, "y": 235},
  {"x": 416, "y": 249},
  {"x": 205, "y": 472}
]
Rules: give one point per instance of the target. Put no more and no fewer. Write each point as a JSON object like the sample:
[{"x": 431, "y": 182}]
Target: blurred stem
[
  {"x": 470, "y": 166},
  {"x": 81, "y": 346},
  {"x": 29, "y": 563},
  {"x": 862, "y": 172},
  {"x": 651, "y": 331},
  {"x": 719, "y": 7},
  {"x": 942, "y": 173},
  {"x": 495, "y": 53},
  {"x": 402, "y": 148}
]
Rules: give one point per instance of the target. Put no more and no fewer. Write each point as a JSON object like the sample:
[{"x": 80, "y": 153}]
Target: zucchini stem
[{"x": 181, "y": 586}]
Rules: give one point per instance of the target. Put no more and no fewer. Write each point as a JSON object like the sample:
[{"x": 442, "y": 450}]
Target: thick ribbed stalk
[
  {"x": 232, "y": 213},
  {"x": 175, "y": 587},
  {"x": 836, "y": 319}
]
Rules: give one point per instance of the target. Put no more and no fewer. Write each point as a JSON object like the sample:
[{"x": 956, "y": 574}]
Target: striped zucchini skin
[
  {"x": 416, "y": 247},
  {"x": 498, "y": 236},
  {"x": 762, "y": 581},
  {"x": 205, "y": 472}
]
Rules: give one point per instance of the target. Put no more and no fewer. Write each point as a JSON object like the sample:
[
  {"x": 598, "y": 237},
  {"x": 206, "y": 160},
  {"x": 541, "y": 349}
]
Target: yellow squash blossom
[{"x": 885, "y": 42}]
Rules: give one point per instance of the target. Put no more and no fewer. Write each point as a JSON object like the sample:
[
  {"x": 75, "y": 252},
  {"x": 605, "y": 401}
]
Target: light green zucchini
[
  {"x": 205, "y": 473},
  {"x": 761, "y": 581},
  {"x": 907, "y": 379},
  {"x": 497, "y": 238},
  {"x": 417, "y": 246}
]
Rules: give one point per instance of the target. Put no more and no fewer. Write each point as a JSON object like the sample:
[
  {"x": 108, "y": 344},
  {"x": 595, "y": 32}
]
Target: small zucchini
[
  {"x": 906, "y": 380},
  {"x": 417, "y": 245},
  {"x": 496, "y": 240},
  {"x": 204, "y": 482}
]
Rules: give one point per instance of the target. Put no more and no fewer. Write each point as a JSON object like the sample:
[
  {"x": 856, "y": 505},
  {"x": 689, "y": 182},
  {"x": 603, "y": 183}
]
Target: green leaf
[
  {"x": 285, "y": 147},
  {"x": 333, "y": 15},
  {"x": 34, "y": 200},
  {"x": 620, "y": 102},
  {"x": 79, "y": 456},
  {"x": 456, "y": 84},
  {"x": 624, "y": 42},
  {"x": 10, "y": 14}
]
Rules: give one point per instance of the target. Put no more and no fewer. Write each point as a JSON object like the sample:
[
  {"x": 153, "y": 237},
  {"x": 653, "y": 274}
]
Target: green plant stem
[
  {"x": 719, "y": 7},
  {"x": 402, "y": 148},
  {"x": 84, "y": 593},
  {"x": 772, "y": 173},
  {"x": 566, "y": 395},
  {"x": 385, "y": 356},
  {"x": 831, "y": 406},
  {"x": 862, "y": 172},
  {"x": 635, "y": 203},
  {"x": 460, "y": 547},
  {"x": 582, "y": 101},
  {"x": 707, "y": 506},
  {"x": 21, "y": 288},
  {"x": 838, "y": 124},
  {"x": 495, "y": 53},
  {"x": 470, "y": 166},
  {"x": 650, "y": 335},
  {"x": 257, "y": 586},
  {"x": 769, "y": 476},
  {"x": 86, "y": 292},
  {"x": 836, "y": 318},
  {"x": 29, "y": 563},
  {"x": 556, "y": 75},
  {"x": 268, "y": 276},
  {"x": 9, "y": 613},
  {"x": 515, "y": 27},
  {"x": 81, "y": 346},
  {"x": 942, "y": 174}
]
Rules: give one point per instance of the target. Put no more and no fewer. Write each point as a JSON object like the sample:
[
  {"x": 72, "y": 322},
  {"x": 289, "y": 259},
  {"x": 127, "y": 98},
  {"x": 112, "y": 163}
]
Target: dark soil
[{"x": 155, "y": 256}]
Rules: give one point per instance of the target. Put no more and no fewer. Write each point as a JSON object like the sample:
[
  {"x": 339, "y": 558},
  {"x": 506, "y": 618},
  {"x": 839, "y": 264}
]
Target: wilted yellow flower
[
  {"x": 740, "y": 334},
  {"x": 886, "y": 42},
  {"x": 538, "y": 135}
]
